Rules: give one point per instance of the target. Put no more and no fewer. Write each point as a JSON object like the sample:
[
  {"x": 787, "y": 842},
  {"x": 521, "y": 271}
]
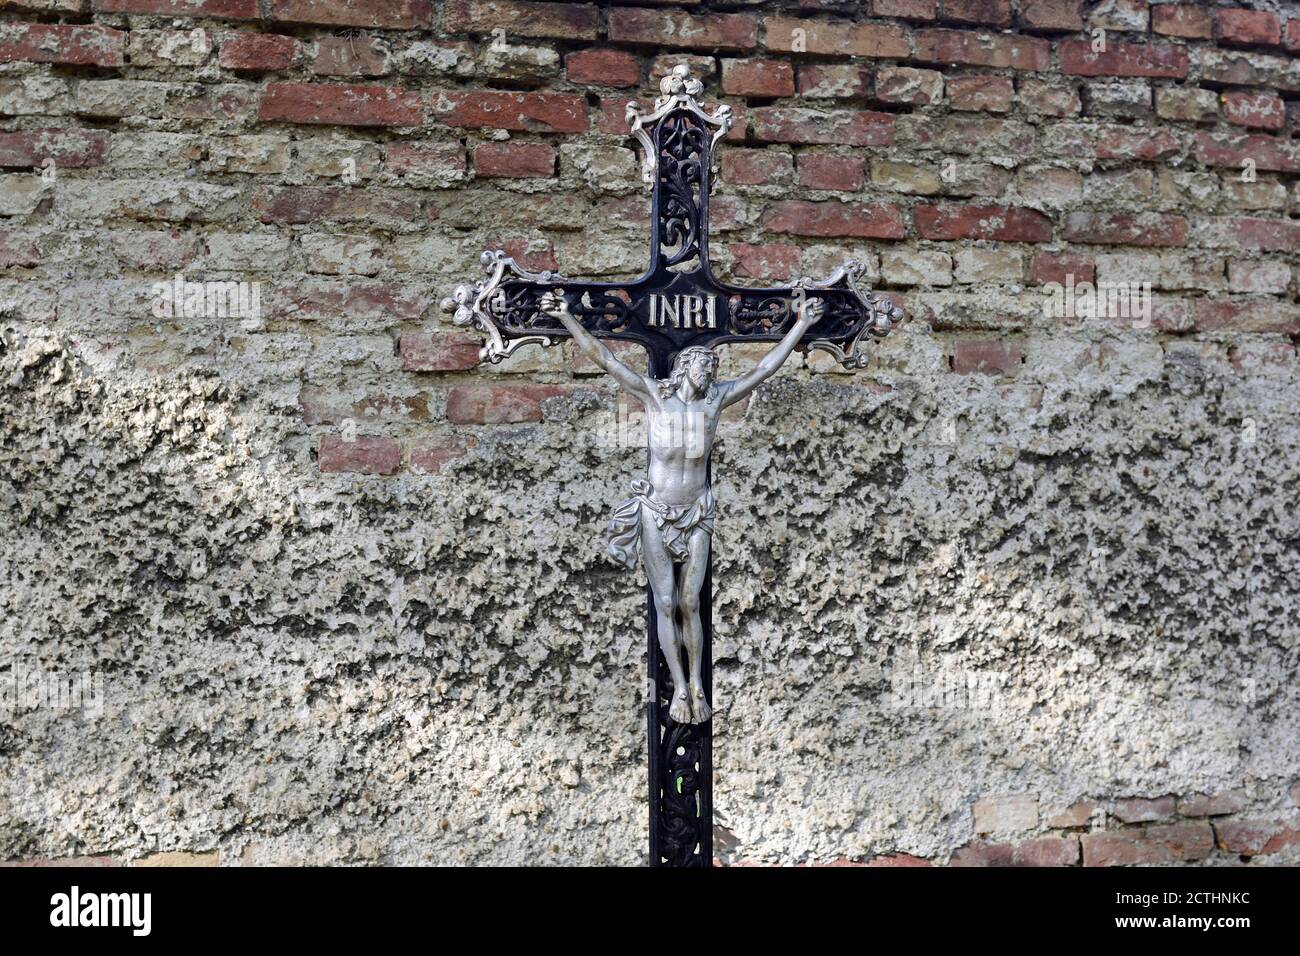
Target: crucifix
[{"x": 678, "y": 311}]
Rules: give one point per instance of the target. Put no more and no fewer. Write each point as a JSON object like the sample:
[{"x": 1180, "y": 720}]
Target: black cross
[{"x": 676, "y": 304}]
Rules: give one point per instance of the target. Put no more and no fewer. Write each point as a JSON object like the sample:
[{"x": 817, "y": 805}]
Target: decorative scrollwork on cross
[{"x": 682, "y": 748}]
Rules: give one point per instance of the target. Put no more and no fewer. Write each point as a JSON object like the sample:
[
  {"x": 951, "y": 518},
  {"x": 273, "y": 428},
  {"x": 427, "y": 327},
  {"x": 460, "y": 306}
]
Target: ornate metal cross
[{"x": 677, "y": 310}]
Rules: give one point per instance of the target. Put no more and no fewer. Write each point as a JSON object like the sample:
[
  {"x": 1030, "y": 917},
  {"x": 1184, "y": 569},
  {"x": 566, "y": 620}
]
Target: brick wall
[
  {"x": 355, "y": 157},
  {"x": 345, "y": 153}
]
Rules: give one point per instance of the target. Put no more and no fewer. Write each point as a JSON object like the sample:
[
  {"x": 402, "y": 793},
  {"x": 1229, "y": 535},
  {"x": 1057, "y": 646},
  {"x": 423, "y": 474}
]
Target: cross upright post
[{"x": 677, "y": 310}]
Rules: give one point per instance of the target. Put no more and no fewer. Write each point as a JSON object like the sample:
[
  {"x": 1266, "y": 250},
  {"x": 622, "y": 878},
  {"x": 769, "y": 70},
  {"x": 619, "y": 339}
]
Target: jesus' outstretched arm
[
  {"x": 810, "y": 310},
  {"x": 555, "y": 306}
]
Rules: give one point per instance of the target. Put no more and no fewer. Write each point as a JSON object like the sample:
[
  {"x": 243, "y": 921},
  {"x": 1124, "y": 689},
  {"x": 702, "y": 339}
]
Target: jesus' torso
[{"x": 680, "y": 437}]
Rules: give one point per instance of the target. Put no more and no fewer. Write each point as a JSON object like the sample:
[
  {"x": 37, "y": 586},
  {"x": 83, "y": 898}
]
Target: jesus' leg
[
  {"x": 691, "y": 580},
  {"x": 659, "y": 569}
]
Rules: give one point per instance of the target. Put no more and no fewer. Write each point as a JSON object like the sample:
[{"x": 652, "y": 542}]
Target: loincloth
[{"x": 675, "y": 523}]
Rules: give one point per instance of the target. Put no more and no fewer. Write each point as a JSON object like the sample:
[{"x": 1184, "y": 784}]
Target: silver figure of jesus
[{"x": 669, "y": 519}]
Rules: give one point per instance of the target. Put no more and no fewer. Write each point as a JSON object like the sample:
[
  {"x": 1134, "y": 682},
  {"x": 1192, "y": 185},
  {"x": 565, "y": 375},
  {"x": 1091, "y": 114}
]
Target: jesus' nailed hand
[{"x": 668, "y": 521}]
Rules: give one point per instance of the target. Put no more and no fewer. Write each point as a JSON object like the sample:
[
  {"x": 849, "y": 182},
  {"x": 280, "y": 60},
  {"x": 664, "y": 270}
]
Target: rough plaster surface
[
  {"x": 1092, "y": 551},
  {"x": 444, "y": 668}
]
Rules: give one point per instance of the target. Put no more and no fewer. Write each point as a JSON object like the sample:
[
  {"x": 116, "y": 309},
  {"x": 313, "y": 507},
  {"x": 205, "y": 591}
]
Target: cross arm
[
  {"x": 851, "y": 314},
  {"x": 555, "y": 306},
  {"x": 809, "y": 311},
  {"x": 505, "y": 306}
]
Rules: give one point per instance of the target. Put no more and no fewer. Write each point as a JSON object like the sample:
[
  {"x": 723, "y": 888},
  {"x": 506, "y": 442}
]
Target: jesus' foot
[
  {"x": 680, "y": 709},
  {"x": 700, "y": 706}
]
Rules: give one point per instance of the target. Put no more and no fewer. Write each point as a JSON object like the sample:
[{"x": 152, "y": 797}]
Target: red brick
[
  {"x": 897, "y": 859},
  {"x": 603, "y": 68},
  {"x": 440, "y": 352},
  {"x": 531, "y": 112},
  {"x": 1248, "y": 68},
  {"x": 837, "y": 39},
  {"x": 258, "y": 51},
  {"x": 225, "y": 102},
  {"x": 1125, "y": 229},
  {"x": 427, "y": 158},
  {"x": 217, "y": 9},
  {"x": 351, "y": 301},
  {"x": 380, "y": 14},
  {"x": 691, "y": 31},
  {"x": 768, "y": 261},
  {"x": 1246, "y": 315},
  {"x": 1257, "y": 837},
  {"x": 498, "y": 404},
  {"x": 1144, "y": 809},
  {"x": 67, "y": 147},
  {"x": 905, "y": 10},
  {"x": 613, "y": 114},
  {"x": 1248, "y": 232},
  {"x": 831, "y": 81},
  {"x": 1007, "y": 224},
  {"x": 1248, "y": 27},
  {"x": 993, "y": 13},
  {"x": 514, "y": 160},
  {"x": 1098, "y": 141},
  {"x": 19, "y": 249},
  {"x": 563, "y": 21},
  {"x": 1267, "y": 152},
  {"x": 1047, "y": 851},
  {"x": 155, "y": 250},
  {"x": 757, "y": 78},
  {"x": 990, "y": 94},
  {"x": 60, "y": 43},
  {"x": 1149, "y": 845},
  {"x": 1048, "y": 99},
  {"x": 833, "y": 218},
  {"x": 1052, "y": 14},
  {"x": 782, "y": 124},
  {"x": 1123, "y": 59},
  {"x": 756, "y": 167},
  {"x": 983, "y": 854},
  {"x": 829, "y": 171},
  {"x": 1000, "y": 51},
  {"x": 428, "y": 455},
  {"x": 340, "y": 105},
  {"x": 365, "y": 456},
  {"x": 350, "y": 56},
  {"x": 985, "y": 357},
  {"x": 302, "y": 204},
  {"x": 1059, "y": 266},
  {"x": 1258, "y": 110},
  {"x": 1291, "y": 39},
  {"x": 904, "y": 84},
  {"x": 1187, "y": 20},
  {"x": 1203, "y": 805},
  {"x": 323, "y": 407},
  {"x": 533, "y": 255},
  {"x": 1080, "y": 812}
]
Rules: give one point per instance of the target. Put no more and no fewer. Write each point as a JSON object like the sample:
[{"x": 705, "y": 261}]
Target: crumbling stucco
[{"x": 443, "y": 668}]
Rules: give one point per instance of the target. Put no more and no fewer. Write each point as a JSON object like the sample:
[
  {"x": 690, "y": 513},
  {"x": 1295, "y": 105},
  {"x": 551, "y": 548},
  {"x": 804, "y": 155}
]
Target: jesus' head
[{"x": 697, "y": 365}]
